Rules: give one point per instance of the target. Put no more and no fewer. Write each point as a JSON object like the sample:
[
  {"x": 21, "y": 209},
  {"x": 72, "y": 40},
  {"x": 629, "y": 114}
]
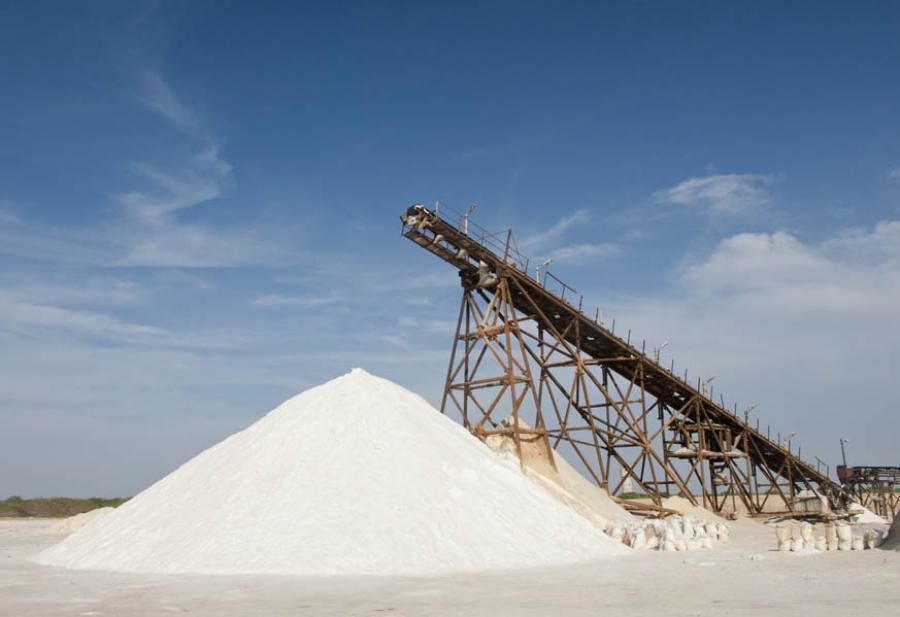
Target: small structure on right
[{"x": 875, "y": 487}]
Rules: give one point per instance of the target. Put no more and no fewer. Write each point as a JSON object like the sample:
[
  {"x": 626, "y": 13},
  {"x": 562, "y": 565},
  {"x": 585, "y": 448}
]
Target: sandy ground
[{"x": 743, "y": 578}]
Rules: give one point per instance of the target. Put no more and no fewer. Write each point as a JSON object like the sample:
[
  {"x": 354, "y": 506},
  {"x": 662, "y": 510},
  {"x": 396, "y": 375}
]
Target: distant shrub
[
  {"x": 631, "y": 495},
  {"x": 53, "y": 507}
]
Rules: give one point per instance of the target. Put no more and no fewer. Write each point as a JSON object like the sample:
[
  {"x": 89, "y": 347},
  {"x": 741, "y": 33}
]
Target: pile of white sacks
[
  {"x": 676, "y": 533},
  {"x": 800, "y": 537}
]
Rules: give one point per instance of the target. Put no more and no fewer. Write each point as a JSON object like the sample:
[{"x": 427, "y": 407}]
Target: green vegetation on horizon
[
  {"x": 633, "y": 495},
  {"x": 54, "y": 507}
]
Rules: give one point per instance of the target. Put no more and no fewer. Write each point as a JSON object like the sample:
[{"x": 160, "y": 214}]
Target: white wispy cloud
[
  {"x": 36, "y": 310},
  {"x": 416, "y": 325},
  {"x": 194, "y": 246},
  {"x": 719, "y": 194},
  {"x": 750, "y": 261},
  {"x": 47, "y": 243},
  {"x": 88, "y": 290},
  {"x": 304, "y": 301},
  {"x": 778, "y": 270},
  {"x": 893, "y": 172},
  {"x": 19, "y": 316},
  {"x": 577, "y": 254},
  {"x": 879, "y": 247},
  {"x": 157, "y": 96},
  {"x": 155, "y": 234},
  {"x": 133, "y": 243},
  {"x": 543, "y": 238},
  {"x": 150, "y": 231},
  {"x": 357, "y": 274},
  {"x": 203, "y": 179},
  {"x": 158, "y": 238}
]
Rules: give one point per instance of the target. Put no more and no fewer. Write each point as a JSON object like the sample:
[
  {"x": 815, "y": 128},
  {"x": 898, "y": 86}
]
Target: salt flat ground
[{"x": 743, "y": 578}]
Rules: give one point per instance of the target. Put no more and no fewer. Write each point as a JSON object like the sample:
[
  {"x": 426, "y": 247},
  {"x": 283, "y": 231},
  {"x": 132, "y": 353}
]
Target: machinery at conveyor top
[{"x": 525, "y": 347}]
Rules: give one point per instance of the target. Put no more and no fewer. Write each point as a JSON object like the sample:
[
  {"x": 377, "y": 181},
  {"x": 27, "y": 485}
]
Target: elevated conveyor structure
[{"x": 525, "y": 348}]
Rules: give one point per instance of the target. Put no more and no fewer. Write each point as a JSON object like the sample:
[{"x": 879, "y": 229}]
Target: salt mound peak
[{"x": 356, "y": 476}]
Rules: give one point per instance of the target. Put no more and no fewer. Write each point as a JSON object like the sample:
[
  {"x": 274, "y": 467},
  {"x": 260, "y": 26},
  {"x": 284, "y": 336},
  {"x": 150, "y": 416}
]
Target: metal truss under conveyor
[{"x": 525, "y": 348}]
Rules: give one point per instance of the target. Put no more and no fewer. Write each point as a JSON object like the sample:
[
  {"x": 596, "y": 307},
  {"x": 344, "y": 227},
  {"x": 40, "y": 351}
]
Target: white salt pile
[
  {"x": 684, "y": 507},
  {"x": 74, "y": 523},
  {"x": 862, "y": 514},
  {"x": 356, "y": 476}
]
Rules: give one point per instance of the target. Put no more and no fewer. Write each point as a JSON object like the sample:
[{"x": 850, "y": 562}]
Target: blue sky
[{"x": 199, "y": 206}]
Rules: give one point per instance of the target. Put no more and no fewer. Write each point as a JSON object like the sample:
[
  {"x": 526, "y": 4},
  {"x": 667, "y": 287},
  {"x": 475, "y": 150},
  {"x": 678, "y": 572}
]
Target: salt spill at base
[
  {"x": 74, "y": 523},
  {"x": 893, "y": 539},
  {"x": 356, "y": 476}
]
